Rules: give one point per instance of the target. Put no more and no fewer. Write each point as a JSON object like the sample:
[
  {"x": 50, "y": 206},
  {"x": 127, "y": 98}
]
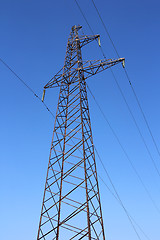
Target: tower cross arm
[
  {"x": 84, "y": 40},
  {"x": 56, "y": 80},
  {"x": 91, "y": 68}
]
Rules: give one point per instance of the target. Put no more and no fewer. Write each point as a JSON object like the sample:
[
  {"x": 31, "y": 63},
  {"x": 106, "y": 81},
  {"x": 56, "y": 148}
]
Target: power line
[
  {"x": 132, "y": 114},
  {"x": 149, "y": 153},
  {"x": 125, "y": 153},
  {"x": 26, "y": 85},
  {"x": 140, "y": 228},
  {"x": 130, "y": 83},
  {"x": 84, "y": 16},
  {"x": 145, "y": 119},
  {"x": 154, "y": 164},
  {"x": 106, "y": 29},
  {"x": 31, "y": 90},
  {"x": 117, "y": 195},
  {"x": 89, "y": 26},
  {"x": 118, "y": 199},
  {"x": 120, "y": 202},
  {"x": 136, "y": 124}
]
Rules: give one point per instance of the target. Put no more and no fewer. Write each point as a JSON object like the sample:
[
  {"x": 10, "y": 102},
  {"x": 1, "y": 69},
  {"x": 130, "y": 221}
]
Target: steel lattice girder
[{"x": 71, "y": 206}]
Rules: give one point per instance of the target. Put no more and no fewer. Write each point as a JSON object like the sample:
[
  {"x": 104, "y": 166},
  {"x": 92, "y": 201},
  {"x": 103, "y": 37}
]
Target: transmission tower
[{"x": 71, "y": 207}]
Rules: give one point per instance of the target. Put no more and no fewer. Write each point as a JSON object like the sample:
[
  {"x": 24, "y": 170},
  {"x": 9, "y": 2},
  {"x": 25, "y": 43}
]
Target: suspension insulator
[{"x": 43, "y": 95}]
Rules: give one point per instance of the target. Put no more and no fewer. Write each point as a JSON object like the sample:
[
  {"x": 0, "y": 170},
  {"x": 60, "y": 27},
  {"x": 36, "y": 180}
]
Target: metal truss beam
[{"x": 71, "y": 207}]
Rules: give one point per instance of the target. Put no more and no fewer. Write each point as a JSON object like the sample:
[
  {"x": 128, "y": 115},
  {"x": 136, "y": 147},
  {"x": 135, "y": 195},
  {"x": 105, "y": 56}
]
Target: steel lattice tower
[{"x": 71, "y": 206}]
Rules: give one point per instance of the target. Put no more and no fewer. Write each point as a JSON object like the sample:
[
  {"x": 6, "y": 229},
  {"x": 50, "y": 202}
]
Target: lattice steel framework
[{"x": 71, "y": 206}]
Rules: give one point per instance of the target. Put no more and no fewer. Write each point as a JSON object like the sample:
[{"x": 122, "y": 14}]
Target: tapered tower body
[{"x": 71, "y": 207}]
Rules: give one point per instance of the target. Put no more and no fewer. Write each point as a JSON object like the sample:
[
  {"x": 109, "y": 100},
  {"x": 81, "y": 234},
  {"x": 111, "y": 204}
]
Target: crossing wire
[
  {"x": 27, "y": 86},
  {"x": 129, "y": 80},
  {"x": 131, "y": 219},
  {"x": 121, "y": 203},
  {"x": 121, "y": 92},
  {"x": 111, "y": 192},
  {"x": 119, "y": 199},
  {"x": 125, "y": 153},
  {"x": 149, "y": 195},
  {"x": 136, "y": 124}
]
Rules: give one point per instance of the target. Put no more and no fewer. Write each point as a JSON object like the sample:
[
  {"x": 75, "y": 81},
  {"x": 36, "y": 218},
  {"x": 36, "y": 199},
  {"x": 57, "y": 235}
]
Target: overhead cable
[
  {"x": 129, "y": 218},
  {"x": 136, "y": 124},
  {"x": 31, "y": 90},
  {"x": 130, "y": 83},
  {"x": 125, "y": 152},
  {"x": 117, "y": 197},
  {"x": 27, "y": 86},
  {"x": 111, "y": 192}
]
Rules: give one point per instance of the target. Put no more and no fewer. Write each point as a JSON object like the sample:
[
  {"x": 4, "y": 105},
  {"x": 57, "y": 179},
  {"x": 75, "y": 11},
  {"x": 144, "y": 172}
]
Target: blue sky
[{"x": 33, "y": 42}]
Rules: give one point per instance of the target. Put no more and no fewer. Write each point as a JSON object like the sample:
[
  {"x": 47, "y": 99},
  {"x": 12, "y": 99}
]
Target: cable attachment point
[
  {"x": 99, "y": 43},
  {"x": 43, "y": 95},
  {"x": 123, "y": 63}
]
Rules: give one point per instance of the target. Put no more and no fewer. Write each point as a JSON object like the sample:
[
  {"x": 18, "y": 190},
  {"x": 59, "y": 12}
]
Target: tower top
[
  {"x": 76, "y": 27},
  {"x": 74, "y": 65}
]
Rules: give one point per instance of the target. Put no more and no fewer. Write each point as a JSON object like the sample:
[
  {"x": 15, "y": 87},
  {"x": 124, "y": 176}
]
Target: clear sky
[{"x": 33, "y": 42}]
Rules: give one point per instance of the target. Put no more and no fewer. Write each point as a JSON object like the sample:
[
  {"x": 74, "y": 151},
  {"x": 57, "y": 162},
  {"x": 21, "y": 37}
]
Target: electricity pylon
[{"x": 71, "y": 206}]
